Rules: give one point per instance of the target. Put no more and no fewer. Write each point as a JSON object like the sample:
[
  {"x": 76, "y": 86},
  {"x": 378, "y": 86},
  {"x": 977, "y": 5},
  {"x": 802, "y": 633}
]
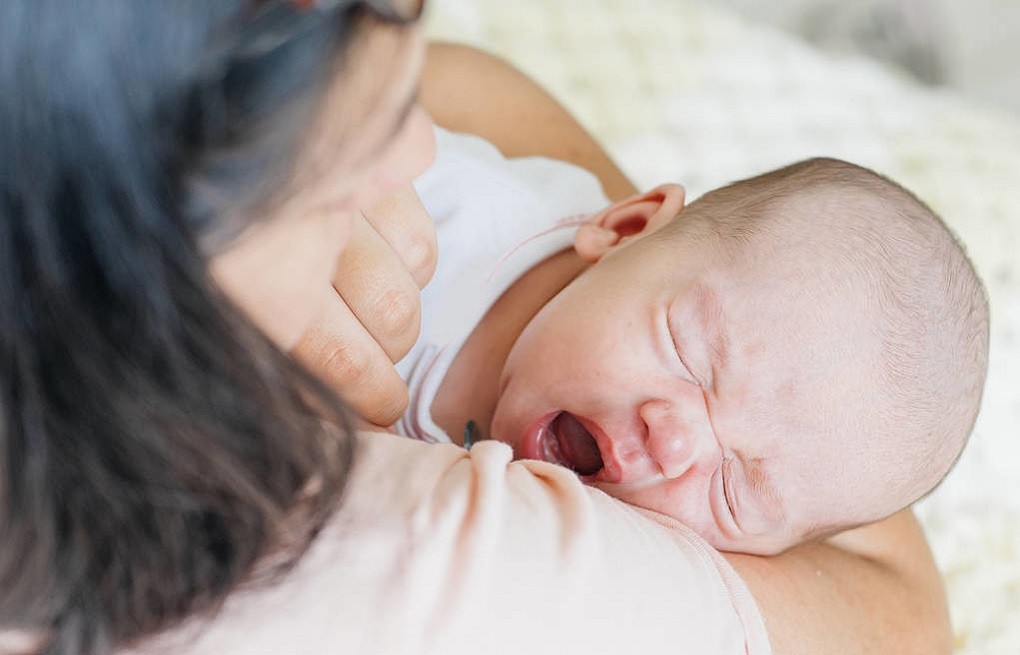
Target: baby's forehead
[
  {"x": 785, "y": 285},
  {"x": 801, "y": 239},
  {"x": 749, "y": 207}
]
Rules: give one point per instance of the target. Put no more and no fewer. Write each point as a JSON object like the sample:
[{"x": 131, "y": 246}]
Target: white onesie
[{"x": 484, "y": 206}]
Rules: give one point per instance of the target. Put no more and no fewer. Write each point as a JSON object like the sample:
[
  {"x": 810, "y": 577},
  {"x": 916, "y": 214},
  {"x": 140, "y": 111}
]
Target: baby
[{"x": 790, "y": 356}]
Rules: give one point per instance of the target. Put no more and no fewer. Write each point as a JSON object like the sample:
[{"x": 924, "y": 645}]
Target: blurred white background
[{"x": 971, "y": 45}]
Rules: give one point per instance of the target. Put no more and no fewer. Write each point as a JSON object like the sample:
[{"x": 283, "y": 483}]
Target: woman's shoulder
[
  {"x": 489, "y": 543},
  {"x": 441, "y": 550}
]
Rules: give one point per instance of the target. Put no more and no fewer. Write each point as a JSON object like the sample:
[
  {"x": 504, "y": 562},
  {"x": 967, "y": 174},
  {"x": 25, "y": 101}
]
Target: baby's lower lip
[{"x": 531, "y": 444}]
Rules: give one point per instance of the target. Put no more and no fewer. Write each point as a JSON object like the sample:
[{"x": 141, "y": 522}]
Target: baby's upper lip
[{"x": 625, "y": 457}]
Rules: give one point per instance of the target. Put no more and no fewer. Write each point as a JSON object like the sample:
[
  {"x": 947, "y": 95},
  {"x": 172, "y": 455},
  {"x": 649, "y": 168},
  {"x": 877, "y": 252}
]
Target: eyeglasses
[
  {"x": 278, "y": 21},
  {"x": 394, "y": 11}
]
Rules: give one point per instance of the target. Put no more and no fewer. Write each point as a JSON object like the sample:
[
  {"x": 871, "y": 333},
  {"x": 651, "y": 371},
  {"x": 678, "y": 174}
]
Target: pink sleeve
[{"x": 439, "y": 551}]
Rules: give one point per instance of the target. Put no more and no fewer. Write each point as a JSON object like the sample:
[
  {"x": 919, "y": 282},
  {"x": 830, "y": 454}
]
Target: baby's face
[{"x": 670, "y": 383}]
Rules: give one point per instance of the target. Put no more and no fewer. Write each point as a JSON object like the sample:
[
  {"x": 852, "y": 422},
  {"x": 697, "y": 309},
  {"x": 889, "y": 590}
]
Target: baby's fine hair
[{"x": 932, "y": 307}]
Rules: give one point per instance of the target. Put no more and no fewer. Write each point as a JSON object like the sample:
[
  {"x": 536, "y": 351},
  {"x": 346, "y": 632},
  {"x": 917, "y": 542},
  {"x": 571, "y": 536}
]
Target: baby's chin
[
  {"x": 503, "y": 428},
  {"x": 516, "y": 414}
]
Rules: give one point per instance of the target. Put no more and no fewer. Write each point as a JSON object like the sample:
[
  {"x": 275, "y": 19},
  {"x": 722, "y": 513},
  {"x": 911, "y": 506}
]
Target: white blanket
[{"x": 677, "y": 91}]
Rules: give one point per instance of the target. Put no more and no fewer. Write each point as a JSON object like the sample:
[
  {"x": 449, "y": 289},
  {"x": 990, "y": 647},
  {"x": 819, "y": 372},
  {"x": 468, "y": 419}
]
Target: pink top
[{"x": 438, "y": 550}]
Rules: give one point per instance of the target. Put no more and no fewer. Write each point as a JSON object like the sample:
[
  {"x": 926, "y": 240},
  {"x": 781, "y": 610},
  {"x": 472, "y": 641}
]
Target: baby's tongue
[{"x": 576, "y": 444}]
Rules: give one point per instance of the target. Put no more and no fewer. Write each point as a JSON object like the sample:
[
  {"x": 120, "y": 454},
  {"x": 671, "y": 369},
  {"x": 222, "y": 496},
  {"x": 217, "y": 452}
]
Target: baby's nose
[{"x": 679, "y": 437}]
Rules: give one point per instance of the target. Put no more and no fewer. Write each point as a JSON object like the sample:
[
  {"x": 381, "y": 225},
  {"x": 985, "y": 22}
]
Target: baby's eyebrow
[{"x": 713, "y": 328}]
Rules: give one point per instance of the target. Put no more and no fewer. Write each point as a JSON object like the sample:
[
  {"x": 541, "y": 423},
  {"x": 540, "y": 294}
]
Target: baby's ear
[{"x": 619, "y": 223}]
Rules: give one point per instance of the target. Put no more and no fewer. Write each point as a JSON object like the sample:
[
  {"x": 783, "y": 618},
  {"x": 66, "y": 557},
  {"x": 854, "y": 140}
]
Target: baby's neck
[{"x": 470, "y": 389}]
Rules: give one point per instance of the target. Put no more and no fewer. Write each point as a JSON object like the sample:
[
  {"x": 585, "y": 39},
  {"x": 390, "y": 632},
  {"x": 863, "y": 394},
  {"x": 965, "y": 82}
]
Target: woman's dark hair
[{"x": 152, "y": 441}]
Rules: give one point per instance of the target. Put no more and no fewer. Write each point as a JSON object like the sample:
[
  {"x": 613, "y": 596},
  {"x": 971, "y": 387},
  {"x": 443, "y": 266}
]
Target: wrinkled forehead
[
  {"x": 791, "y": 358},
  {"x": 794, "y": 394}
]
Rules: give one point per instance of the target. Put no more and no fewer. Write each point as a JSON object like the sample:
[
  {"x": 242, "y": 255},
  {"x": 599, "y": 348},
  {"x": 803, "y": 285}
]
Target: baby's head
[{"x": 789, "y": 356}]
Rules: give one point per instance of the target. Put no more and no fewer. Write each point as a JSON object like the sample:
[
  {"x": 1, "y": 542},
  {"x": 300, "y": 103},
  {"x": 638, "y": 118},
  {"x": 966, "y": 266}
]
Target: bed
[{"x": 679, "y": 91}]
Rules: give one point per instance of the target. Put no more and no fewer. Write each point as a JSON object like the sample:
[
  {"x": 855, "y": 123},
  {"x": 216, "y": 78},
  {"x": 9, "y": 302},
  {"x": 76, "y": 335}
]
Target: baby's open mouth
[{"x": 573, "y": 446}]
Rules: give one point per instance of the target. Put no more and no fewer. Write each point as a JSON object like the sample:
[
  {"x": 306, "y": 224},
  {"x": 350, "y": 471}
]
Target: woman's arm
[
  {"x": 467, "y": 90},
  {"x": 873, "y": 590}
]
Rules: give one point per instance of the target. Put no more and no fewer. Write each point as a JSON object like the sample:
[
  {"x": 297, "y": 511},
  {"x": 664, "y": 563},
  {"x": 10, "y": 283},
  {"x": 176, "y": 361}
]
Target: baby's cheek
[
  {"x": 675, "y": 499},
  {"x": 765, "y": 545}
]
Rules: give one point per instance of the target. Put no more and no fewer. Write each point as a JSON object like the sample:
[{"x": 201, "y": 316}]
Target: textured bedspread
[{"x": 680, "y": 92}]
